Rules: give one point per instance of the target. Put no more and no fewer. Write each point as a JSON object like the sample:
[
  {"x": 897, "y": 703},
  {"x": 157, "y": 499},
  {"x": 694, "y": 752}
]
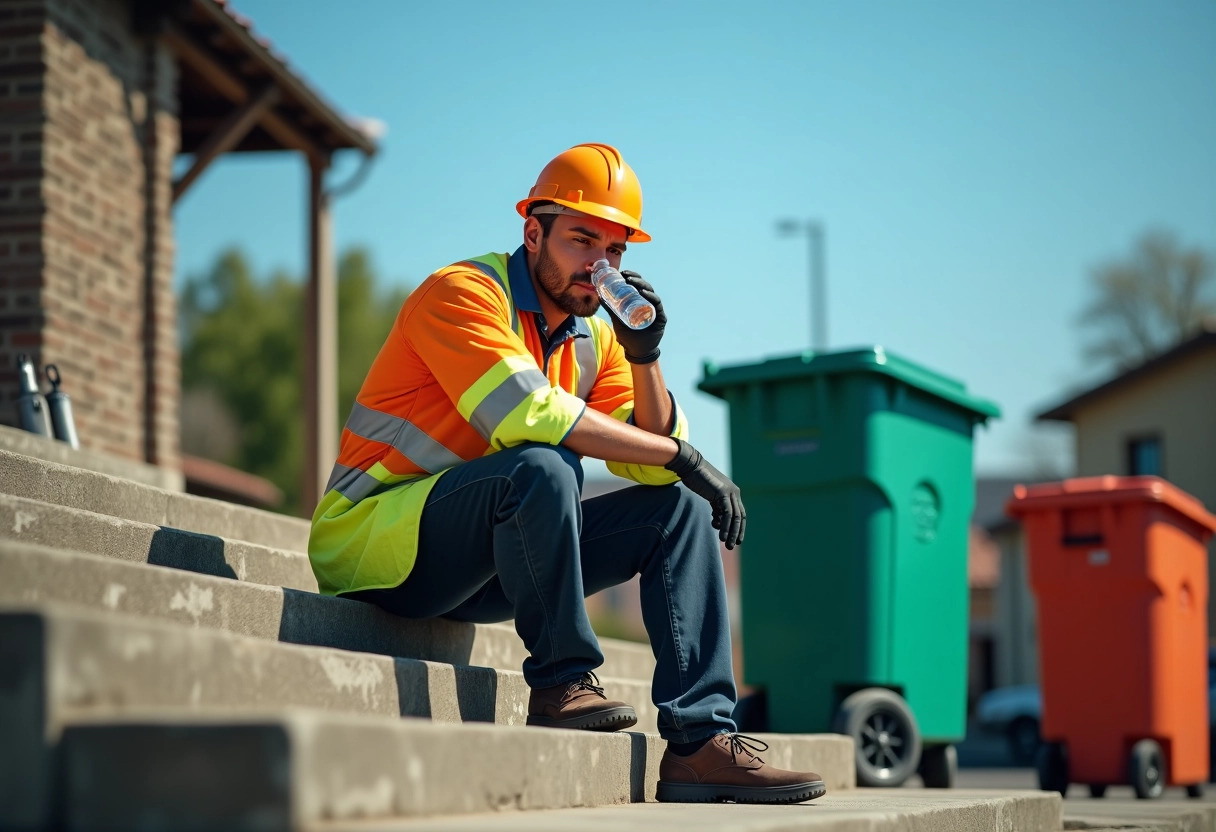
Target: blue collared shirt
[{"x": 523, "y": 294}]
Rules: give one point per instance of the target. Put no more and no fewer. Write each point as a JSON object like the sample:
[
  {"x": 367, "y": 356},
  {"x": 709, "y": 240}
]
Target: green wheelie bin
[{"x": 856, "y": 472}]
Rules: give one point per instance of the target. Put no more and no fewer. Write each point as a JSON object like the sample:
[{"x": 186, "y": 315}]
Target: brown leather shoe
[
  {"x": 579, "y": 704},
  {"x": 726, "y": 769}
]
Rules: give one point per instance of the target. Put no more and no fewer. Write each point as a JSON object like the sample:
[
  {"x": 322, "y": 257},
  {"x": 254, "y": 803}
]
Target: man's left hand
[{"x": 641, "y": 345}]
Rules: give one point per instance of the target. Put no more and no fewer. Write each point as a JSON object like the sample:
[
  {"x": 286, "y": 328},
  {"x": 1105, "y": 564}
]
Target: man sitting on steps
[{"x": 457, "y": 489}]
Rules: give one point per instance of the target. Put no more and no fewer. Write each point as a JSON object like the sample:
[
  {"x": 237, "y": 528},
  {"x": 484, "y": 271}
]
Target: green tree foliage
[
  {"x": 1148, "y": 302},
  {"x": 242, "y": 342}
]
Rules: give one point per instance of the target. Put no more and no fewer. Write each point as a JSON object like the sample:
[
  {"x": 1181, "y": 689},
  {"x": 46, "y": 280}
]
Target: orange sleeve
[{"x": 459, "y": 326}]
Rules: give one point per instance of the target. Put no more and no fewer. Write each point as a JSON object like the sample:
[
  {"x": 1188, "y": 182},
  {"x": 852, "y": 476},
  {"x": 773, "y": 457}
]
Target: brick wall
[
  {"x": 21, "y": 204},
  {"x": 86, "y": 249}
]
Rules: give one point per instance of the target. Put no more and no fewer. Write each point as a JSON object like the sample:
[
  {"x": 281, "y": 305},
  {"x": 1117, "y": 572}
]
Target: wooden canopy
[{"x": 237, "y": 95}]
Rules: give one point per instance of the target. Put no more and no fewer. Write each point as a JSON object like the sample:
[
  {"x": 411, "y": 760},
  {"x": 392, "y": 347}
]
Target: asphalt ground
[
  {"x": 984, "y": 763},
  {"x": 1025, "y": 778}
]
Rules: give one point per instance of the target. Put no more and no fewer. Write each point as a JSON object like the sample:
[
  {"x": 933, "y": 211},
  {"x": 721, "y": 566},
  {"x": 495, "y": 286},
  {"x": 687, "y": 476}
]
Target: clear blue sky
[{"x": 971, "y": 162}]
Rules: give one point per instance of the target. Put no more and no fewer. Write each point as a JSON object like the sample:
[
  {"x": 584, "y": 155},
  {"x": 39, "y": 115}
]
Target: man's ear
[{"x": 534, "y": 234}]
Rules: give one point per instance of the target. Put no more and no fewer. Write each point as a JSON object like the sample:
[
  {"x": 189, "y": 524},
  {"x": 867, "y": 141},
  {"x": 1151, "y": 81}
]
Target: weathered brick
[{"x": 86, "y": 155}]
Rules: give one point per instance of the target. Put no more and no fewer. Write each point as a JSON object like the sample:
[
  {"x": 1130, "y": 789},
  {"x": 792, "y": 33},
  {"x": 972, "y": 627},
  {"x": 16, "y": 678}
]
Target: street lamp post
[{"x": 813, "y": 231}]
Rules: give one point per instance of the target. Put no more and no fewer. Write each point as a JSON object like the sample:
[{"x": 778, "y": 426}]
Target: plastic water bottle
[{"x": 621, "y": 298}]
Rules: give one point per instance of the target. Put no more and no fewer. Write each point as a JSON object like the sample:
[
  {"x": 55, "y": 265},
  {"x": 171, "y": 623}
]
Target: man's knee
[
  {"x": 674, "y": 507},
  {"x": 554, "y": 465},
  {"x": 687, "y": 509},
  {"x": 685, "y": 517}
]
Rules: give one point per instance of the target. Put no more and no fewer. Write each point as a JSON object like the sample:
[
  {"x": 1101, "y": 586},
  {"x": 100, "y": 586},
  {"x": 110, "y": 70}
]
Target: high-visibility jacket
[{"x": 463, "y": 373}]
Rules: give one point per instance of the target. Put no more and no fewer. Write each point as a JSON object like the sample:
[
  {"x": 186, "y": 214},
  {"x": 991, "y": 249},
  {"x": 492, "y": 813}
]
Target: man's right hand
[{"x": 708, "y": 482}]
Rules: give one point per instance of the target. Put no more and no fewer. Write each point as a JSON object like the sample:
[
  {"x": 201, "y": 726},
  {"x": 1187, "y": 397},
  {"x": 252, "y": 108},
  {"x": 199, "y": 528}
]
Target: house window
[{"x": 1144, "y": 456}]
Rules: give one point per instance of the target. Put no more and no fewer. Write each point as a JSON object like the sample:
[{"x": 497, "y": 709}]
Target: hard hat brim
[{"x": 592, "y": 209}]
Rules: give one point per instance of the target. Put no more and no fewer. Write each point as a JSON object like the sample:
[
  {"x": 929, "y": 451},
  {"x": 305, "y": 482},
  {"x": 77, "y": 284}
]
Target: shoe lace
[
  {"x": 743, "y": 744},
  {"x": 588, "y": 681}
]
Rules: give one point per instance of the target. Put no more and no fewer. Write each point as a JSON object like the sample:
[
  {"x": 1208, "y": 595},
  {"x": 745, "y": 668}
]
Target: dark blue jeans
[{"x": 505, "y": 536}]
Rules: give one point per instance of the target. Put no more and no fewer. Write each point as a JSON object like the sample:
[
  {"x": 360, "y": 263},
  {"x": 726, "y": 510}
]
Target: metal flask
[
  {"x": 32, "y": 410},
  {"x": 60, "y": 404}
]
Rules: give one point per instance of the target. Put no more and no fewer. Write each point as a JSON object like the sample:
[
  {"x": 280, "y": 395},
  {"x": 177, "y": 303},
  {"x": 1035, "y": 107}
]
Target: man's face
[{"x": 563, "y": 263}]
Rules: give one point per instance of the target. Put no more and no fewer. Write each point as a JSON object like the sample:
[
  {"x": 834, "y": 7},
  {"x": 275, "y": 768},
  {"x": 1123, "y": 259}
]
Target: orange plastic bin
[{"x": 1119, "y": 570}]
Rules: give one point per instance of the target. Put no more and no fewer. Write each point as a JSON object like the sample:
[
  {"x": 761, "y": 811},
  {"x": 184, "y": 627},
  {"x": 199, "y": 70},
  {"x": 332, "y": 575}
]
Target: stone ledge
[
  {"x": 28, "y": 444},
  {"x": 294, "y": 769},
  {"x": 32, "y": 521},
  {"x": 850, "y": 810},
  {"x": 117, "y": 496},
  {"x": 30, "y": 573}
]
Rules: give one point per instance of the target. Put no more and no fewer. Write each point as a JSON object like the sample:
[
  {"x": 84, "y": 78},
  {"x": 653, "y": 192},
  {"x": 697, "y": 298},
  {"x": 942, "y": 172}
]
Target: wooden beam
[
  {"x": 227, "y": 135},
  {"x": 289, "y": 82},
  {"x": 230, "y": 87}
]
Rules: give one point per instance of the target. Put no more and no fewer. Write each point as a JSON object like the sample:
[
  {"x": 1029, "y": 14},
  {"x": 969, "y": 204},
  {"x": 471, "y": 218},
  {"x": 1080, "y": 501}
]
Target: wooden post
[
  {"x": 161, "y": 361},
  {"x": 320, "y": 345}
]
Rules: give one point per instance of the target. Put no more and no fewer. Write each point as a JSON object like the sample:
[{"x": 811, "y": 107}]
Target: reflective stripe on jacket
[{"x": 463, "y": 373}]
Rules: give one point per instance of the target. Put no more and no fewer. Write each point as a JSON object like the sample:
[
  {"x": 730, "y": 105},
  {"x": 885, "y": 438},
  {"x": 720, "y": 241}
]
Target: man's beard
[{"x": 559, "y": 289}]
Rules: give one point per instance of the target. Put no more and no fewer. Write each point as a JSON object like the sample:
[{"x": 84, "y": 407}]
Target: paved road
[
  {"x": 984, "y": 763},
  {"x": 1025, "y": 778},
  {"x": 1173, "y": 812}
]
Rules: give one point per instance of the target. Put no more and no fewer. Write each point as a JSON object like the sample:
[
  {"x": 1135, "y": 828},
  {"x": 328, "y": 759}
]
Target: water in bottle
[{"x": 621, "y": 298}]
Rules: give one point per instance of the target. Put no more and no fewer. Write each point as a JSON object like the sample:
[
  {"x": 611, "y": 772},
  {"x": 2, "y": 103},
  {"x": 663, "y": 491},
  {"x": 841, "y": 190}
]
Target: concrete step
[
  {"x": 72, "y": 487},
  {"x": 864, "y": 810},
  {"x": 34, "y": 521},
  {"x": 37, "y": 521},
  {"x": 106, "y": 659},
  {"x": 15, "y": 440},
  {"x": 57, "y": 661},
  {"x": 32, "y": 573},
  {"x": 303, "y": 770}
]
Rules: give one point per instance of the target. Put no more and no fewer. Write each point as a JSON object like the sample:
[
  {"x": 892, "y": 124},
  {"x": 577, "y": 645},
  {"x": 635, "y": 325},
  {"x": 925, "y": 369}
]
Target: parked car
[{"x": 1015, "y": 712}]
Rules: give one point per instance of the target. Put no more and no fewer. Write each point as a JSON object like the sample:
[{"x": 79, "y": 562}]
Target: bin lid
[
  {"x": 877, "y": 360},
  {"x": 1091, "y": 491}
]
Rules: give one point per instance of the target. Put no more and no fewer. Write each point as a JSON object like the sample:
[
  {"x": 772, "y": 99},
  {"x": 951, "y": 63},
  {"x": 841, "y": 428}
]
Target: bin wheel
[
  {"x": 1146, "y": 769},
  {"x": 1023, "y": 738},
  {"x": 938, "y": 766},
  {"x": 1097, "y": 790},
  {"x": 886, "y": 741},
  {"x": 1194, "y": 790},
  {"x": 1052, "y": 766}
]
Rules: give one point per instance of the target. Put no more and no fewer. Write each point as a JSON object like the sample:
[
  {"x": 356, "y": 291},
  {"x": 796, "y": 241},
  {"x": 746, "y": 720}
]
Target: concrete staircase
[{"x": 166, "y": 663}]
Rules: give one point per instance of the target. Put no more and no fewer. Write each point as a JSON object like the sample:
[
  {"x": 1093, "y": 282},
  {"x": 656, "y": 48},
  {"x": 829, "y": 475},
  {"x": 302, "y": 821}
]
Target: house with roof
[
  {"x": 99, "y": 101},
  {"x": 1158, "y": 418},
  {"x": 1155, "y": 419}
]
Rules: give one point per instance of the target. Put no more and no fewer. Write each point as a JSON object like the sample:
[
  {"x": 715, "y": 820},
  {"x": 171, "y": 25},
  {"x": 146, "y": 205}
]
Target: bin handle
[{"x": 1083, "y": 539}]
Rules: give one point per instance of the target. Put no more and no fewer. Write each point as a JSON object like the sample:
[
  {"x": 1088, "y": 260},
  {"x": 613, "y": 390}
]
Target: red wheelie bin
[{"x": 1118, "y": 566}]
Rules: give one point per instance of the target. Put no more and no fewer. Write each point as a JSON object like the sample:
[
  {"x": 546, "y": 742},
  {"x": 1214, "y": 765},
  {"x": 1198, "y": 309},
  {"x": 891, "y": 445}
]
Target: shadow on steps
[
  {"x": 309, "y": 618},
  {"x": 190, "y": 551}
]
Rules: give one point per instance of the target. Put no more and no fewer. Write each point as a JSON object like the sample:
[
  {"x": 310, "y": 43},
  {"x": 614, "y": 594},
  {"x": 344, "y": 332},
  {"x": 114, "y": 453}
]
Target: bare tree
[
  {"x": 1049, "y": 452},
  {"x": 208, "y": 427},
  {"x": 1149, "y": 302}
]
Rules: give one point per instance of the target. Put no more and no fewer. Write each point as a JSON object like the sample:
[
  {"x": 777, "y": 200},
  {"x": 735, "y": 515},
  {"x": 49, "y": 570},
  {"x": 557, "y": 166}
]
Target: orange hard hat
[{"x": 592, "y": 179}]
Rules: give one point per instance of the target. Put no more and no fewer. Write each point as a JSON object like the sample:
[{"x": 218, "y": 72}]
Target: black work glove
[
  {"x": 641, "y": 345},
  {"x": 706, "y": 481}
]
